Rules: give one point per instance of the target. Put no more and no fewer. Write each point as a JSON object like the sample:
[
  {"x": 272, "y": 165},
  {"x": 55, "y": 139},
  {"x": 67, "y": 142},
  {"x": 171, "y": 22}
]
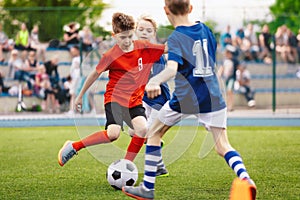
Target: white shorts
[
  {"x": 151, "y": 114},
  {"x": 213, "y": 119}
]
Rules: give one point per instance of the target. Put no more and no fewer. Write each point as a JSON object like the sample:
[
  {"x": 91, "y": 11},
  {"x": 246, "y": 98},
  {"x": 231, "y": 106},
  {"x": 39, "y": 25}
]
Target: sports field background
[{"x": 29, "y": 168}]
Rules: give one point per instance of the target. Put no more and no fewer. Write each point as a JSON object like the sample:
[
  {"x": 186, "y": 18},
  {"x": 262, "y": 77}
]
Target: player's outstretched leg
[
  {"x": 139, "y": 192},
  {"x": 235, "y": 162},
  {"x": 134, "y": 147},
  {"x": 161, "y": 169},
  {"x": 70, "y": 148},
  {"x": 66, "y": 153},
  {"x": 231, "y": 156},
  {"x": 146, "y": 189}
]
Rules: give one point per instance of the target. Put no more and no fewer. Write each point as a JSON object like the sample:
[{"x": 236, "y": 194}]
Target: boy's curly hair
[{"x": 122, "y": 22}]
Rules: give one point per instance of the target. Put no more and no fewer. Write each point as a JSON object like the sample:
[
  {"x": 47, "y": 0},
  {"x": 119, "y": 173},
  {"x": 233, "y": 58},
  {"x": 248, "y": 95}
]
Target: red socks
[
  {"x": 101, "y": 137},
  {"x": 93, "y": 139},
  {"x": 134, "y": 147}
]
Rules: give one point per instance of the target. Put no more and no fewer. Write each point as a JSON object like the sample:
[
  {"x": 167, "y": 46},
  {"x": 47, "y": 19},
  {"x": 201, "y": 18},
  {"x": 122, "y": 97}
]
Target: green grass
[{"x": 29, "y": 168}]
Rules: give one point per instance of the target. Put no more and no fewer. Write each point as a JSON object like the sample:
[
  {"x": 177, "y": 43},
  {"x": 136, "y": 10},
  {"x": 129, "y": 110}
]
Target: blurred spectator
[
  {"x": 18, "y": 68},
  {"x": 250, "y": 44},
  {"x": 63, "y": 94},
  {"x": 265, "y": 39},
  {"x": 281, "y": 42},
  {"x": 238, "y": 39},
  {"x": 35, "y": 42},
  {"x": 51, "y": 70},
  {"x": 75, "y": 75},
  {"x": 22, "y": 38},
  {"x": 87, "y": 38},
  {"x": 31, "y": 64},
  {"x": 228, "y": 72},
  {"x": 103, "y": 44},
  {"x": 3, "y": 88},
  {"x": 242, "y": 84},
  {"x": 226, "y": 38},
  {"x": 42, "y": 88},
  {"x": 71, "y": 34},
  {"x": 5, "y": 45},
  {"x": 291, "y": 47}
]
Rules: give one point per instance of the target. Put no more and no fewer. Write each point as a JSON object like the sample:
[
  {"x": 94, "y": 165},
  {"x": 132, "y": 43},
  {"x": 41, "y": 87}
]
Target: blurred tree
[
  {"x": 164, "y": 31},
  {"x": 285, "y": 12},
  {"x": 212, "y": 25},
  {"x": 51, "y": 15}
]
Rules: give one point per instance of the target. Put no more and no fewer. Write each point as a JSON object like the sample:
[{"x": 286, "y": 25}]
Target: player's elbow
[
  {"x": 171, "y": 68},
  {"x": 173, "y": 73}
]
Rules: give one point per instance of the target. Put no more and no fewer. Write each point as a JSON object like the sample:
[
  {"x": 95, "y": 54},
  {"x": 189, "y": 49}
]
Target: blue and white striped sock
[
  {"x": 161, "y": 164},
  {"x": 152, "y": 157},
  {"x": 235, "y": 161}
]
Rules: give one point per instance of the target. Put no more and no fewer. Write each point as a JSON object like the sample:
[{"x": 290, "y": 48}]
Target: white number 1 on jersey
[{"x": 202, "y": 68}]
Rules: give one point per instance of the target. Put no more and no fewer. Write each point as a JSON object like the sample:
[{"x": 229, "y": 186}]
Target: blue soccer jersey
[
  {"x": 160, "y": 100},
  {"x": 196, "y": 84}
]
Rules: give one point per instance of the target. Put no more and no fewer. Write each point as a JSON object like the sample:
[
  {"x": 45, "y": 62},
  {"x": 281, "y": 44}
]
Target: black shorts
[{"x": 116, "y": 114}]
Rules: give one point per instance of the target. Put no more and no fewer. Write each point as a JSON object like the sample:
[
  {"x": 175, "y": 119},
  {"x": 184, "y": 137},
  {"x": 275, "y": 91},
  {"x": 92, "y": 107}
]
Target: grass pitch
[{"x": 29, "y": 168}]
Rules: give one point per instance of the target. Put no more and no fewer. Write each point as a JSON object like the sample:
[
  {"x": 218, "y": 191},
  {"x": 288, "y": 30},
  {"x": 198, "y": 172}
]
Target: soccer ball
[{"x": 122, "y": 173}]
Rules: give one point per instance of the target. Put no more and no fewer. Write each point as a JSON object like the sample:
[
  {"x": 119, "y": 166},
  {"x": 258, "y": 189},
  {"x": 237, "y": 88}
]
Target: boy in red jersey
[{"x": 129, "y": 64}]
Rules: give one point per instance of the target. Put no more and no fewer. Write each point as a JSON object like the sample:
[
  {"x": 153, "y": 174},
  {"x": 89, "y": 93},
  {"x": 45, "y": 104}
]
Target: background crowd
[
  {"x": 28, "y": 64},
  {"x": 26, "y": 59},
  {"x": 257, "y": 46}
]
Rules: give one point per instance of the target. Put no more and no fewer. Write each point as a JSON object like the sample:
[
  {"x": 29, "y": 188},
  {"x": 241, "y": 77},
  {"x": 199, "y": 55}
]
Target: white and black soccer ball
[{"x": 121, "y": 173}]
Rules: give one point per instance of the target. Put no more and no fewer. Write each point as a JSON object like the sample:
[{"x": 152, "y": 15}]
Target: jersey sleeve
[
  {"x": 174, "y": 50},
  {"x": 103, "y": 64},
  {"x": 155, "y": 50}
]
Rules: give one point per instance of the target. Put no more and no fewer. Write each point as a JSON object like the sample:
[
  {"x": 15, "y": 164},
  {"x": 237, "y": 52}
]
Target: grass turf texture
[{"x": 29, "y": 168}]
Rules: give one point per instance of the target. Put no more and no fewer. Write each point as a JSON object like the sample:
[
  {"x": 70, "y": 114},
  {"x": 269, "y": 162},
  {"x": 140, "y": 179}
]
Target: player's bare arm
[
  {"x": 92, "y": 77},
  {"x": 153, "y": 86},
  {"x": 166, "y": 48}
]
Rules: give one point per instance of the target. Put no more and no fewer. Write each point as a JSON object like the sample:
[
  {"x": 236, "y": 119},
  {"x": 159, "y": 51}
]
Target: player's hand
[
  {"x": 78, "y": 104},
  {"x": 153, "y": 90}
]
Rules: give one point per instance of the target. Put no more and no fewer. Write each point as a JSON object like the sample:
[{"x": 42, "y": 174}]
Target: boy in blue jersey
[{"x": 191, "y": 60}]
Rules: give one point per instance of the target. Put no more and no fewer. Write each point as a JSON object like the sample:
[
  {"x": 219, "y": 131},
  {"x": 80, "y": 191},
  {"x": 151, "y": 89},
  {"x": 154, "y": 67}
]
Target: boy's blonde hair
[
  {"x": 122, "y": 22},
  {"x": 178, "y": 7},
  {"x": 147, "y": 18}
]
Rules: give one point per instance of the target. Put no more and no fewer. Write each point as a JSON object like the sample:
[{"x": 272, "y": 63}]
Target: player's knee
[
  {"x": 113, "y": 135},
  {"x": 131, "y": 132},
  {"x": 141, "y": 132}
]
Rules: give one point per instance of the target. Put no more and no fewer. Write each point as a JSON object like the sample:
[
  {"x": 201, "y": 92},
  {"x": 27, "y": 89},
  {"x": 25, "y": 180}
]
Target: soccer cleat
[
  {"x": 162, "y": 143},
  {"x": 162, "y": 172},
  {"x": 139, "y": 192},
  {"x": 66, "y": 153},
  {"x": 243, "y": 189},
  {"x": 252, "y": 187}
]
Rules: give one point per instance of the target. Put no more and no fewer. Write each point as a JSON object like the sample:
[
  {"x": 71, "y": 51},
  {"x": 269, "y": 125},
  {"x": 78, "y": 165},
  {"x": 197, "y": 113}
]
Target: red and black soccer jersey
[{"x": 129, "y": 72}]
